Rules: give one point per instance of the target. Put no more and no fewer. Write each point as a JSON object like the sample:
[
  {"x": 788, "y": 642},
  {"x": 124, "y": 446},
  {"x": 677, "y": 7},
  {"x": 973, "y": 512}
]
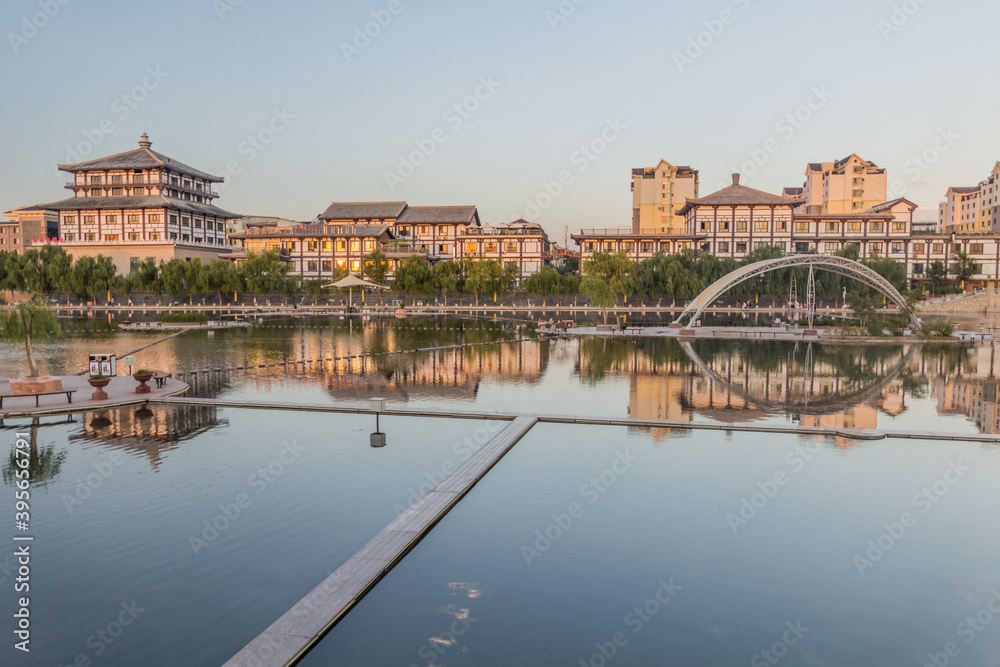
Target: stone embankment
[{"x": 960, "y": 304}]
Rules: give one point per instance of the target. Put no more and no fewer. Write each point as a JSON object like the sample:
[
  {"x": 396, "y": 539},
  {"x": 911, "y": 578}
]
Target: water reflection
[
  {"x": 44, "y": 463},
  {"x": 815, "y": 385},
  {"x": 147, "y": 431}
]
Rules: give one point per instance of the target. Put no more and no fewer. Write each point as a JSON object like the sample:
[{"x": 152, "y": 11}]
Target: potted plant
[
  {"x": 99, "y": 382},
  {"x": 142, "y": 376}
]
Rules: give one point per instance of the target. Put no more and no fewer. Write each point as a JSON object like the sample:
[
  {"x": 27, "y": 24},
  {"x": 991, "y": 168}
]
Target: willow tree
[{"x": 26, "y": 321}]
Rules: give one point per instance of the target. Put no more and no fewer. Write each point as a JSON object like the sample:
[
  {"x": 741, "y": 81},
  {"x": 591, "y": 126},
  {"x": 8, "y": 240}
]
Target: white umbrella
[{"x": 350, "y": 281}]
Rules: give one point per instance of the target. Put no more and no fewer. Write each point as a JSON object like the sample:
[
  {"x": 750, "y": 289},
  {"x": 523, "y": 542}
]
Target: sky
[{"x": 535, "y": 109}]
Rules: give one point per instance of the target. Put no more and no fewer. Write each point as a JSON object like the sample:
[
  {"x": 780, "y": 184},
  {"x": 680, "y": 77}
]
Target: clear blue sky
[{"x": 227, "y": 66}]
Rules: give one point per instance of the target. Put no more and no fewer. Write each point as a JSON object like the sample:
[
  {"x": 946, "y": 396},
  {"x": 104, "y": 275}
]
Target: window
[
  {"x": 859, "y": 181},
  {"x": 491, "y": 246},
  {"x": 133, "y": 236},
  {"x": 897, "y": 247},
  {"x": 369, "y": 245},
  {"x": 173, "y": 220},
  {"x": 133, "y": 219},
  {"x": 88, "y": 237},
  {"x": 355, "y": 245},
  {"x": 741, "y": 225},
  {"x": 802, "y": 247},
  {"x": 760, "y": 225},
  {"x": 760, "y": 244},
  {"x": 442, "y": 230},
  {"x": 341, "y": 245},
  {"x": 470, "y": 248},
  {"x": 875, "y": 248},
  {"x": 137, "y": 178},
  {"x": 442, "y": 249},
  {"x": 976, "y": 249},
  {"x": 327, "y": 245},
  {"x": 117, "y": 192},
  {"x": 133, "y": 263},
  {"x": 877, "y": 227},
  {"x": 609, "y": 246},
  {"x": 111, "y": 219},
  {"x": 741, "y": 247},
  {"x": 95, "y": 192},
  {"x": 782, "y": 225},
  {"x": 665, "y": 246},
  {"x": 937, "y": 248},
  {"x": 854, "y": 228},
  {"x": 589, "y": 246},
  {"x": 899, "y": 228},
  {"x": 647, "y": 246},
  {"x": 185, "y": 222},
  {"x": 356, "y": 265},
  {"x": 723, "y": 246},
  {"x": 197, "y": 224},
  {"x": 627, "y": 246},
  {"x": 88, "y": 219},
  {"x": 918, "y": 248},
  {"x": 704, "y": 225},
  {"x": 404, "y": 231},
  {"x": 155, "y": 236},
  {"x": 95, "y": 180},
  {"x": 185, "y": 237},
  {"x": 312, "y": 266},
  {"x": 312, "y": 245},
  {"x": 858, "y": 205},
  {"x": 831, "y": 246},
  {"x": 110, "y": 237},
  {"x": 918, "y": 269},
  {"x": 801, "y": 227},
  {"x": 68, "y": 221},
  {"x": 425, "y": 230},
  {"x": 725, "y": 225},
  {"x": 327, "y": 266},
  {"x": 70, "y": 237},
  {"x": 832, "y": 227}
]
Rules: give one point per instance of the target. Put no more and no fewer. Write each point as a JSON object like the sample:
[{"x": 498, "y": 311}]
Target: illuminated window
[
  {"x": 877, "y": 227},
  {"x": 356, "y": 265},
  {"x": 355, "y": 245}
]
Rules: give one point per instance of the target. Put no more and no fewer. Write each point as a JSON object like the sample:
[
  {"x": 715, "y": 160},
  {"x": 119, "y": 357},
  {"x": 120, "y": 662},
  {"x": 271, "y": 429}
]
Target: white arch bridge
[{"x": 832, "y": 263}]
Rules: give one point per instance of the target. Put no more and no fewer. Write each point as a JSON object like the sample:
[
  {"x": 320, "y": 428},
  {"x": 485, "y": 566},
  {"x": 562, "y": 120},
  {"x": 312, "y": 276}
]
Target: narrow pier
[{"x": 302, "y": 626}]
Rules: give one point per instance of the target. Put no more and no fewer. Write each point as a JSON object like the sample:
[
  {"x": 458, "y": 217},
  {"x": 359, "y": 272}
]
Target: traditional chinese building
[{"x": 140, "y": 204}]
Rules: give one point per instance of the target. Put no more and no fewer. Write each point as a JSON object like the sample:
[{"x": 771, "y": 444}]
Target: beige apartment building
[
  {"x": 972, "y": 210},
  {"x": 27, "y": 226},
  {"x": 850, "y": 185},
  {"x": 658, "y": 194}
]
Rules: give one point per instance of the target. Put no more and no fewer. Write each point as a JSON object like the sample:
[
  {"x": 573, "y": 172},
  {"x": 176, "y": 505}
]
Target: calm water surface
[{"x": 138, "y": 504}]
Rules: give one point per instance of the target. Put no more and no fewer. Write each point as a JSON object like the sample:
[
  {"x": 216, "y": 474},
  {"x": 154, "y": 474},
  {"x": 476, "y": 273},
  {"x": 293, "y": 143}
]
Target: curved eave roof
[
  {"x": 140, "y": 158},
  {"x": 154, "y": 201}
]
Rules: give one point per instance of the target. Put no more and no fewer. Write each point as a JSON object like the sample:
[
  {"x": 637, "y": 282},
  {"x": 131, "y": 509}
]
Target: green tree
[
  {"x": 964, "y": 267},
  {"x": 26, "y": 321},
  {"x": 376, "y": 267},
  {"x": 264, "y": 273},
  {"x": 413, "y": 277},
  {"x": 544, "y": 282},
  {"x": 937, "y": 273},
  {"x": 173, "y": 274},
  {"x": 447, "y": 275},
  {"x": 605, "y": 278},
  {"x": 484, "y": 276},
  {"x": 865, "y": 308}
]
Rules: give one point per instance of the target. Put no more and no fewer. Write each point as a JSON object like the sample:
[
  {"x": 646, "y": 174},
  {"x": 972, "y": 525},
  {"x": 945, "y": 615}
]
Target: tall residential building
[
  {"x": 959, "y": 212},
  {"x": 658, "y": 194},
  {"x": 140, "y": 205},
  {"x": 851, "y": 185},
  {"x": 972, "y": 210}
]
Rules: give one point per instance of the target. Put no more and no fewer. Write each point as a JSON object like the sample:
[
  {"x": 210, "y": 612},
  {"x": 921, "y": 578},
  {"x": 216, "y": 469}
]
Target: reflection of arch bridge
[
  {"x": 832, "y": 263},
  {"x": 825, "y": 405}
]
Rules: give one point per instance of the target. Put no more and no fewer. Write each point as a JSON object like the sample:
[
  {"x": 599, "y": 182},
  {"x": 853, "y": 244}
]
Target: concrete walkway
[{"x": 120, "y": 391}]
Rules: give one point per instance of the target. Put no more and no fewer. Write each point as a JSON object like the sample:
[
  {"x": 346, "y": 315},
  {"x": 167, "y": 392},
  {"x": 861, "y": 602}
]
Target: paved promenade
[{"x": 120, "y": 391}]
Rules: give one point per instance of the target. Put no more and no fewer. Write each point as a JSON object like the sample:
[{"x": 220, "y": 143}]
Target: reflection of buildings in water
[
  {"x": 728, "y": 389},
  {"x": 454, "y": 374},
  {"x": 965, "y": 381},
  {"x": 147, "y": 430}
]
